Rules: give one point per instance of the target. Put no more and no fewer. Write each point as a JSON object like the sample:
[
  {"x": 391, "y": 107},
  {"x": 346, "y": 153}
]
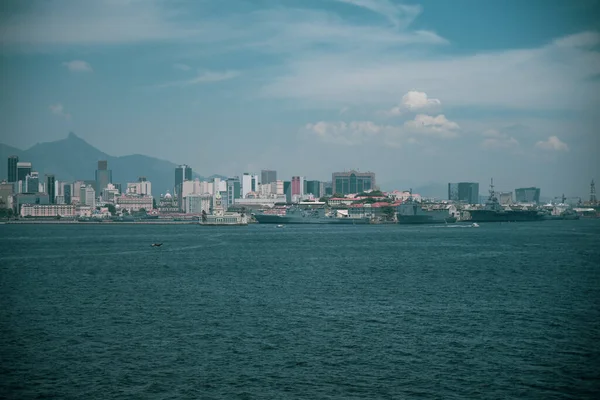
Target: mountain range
[{"x": 74, "y": 159}]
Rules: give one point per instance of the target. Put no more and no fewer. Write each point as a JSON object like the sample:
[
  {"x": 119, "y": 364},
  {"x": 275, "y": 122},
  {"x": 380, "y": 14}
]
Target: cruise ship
[
  {"x": 494, "y": 212},
  {"x": 298, "y": 215}
]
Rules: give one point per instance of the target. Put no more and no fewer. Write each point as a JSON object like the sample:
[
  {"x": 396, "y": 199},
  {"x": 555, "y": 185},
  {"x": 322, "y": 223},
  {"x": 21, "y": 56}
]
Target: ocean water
[{"x": 304, "y": 312}]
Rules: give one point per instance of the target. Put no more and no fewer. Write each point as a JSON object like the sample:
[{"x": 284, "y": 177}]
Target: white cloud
[
  {"x": 438, "y": 126},
  {"x": 496, "y": 140},
  {"x": 78, "y": 66},
  {"x": 398, "y": 14},
  {"x": 583, "y": 39},
  {"x": 362, "y": 132},
  {"x": 59, "y": 110},
  {"x": 203, "y": 77},
  {"x": 516, "y": 79},
  {"x": 182, "y": 67},
  {"x": 413, "y": 101},
  {"x": 553, "y": 143}
]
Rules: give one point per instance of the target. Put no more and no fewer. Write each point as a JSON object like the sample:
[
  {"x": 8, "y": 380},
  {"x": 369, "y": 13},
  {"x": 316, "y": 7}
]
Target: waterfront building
[
  {"x": 47, "y": 210},
  {"x": 527, "y": 195},
  {"x": 196, "y": 203},
  {"x": 287, "y": 190},
  {"x": 134, "y": 202},
  {"x": 297, "y": 186},
  {"x": 249, "y": 183},
  {"x": 268, "y": 176},
  {"x": 314, "y": 188},
  {"x": 12, "y": 169},
  {"x": 352, "y": 182},
  {"x": 109, "y": 193},
  {"x": 23, "y": 169},
  {"x": 466, "y": 192},
  {"x": 87, "y": 195},
  {"x": 51, "y": 187},
  {"x": 6, "y": 193},
  {"x": 234, "y": 190},
  {"x": 20, "y": 199},
  {"x": 103, "y": 176},
  {"x": 328, "y": 188},
  {"x": 182, "y": 173},
  {"x": 141, "y": 187},
  {"x": 32, "y": 182},
  {"x": 67, "y": 192}
]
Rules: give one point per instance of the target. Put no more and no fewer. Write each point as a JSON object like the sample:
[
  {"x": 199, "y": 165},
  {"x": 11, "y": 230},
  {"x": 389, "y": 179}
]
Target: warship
[
  {"x": 412, "y": 212},
  {"x": 494, "y": 212},
  {"x": 298, "y": 215}
]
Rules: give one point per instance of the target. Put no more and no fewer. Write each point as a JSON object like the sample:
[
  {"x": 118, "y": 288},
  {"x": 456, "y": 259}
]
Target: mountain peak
[{"x": 72, "y": 136}]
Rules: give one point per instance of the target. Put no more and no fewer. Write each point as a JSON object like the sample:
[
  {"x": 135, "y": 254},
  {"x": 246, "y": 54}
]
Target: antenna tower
[{"x": 593, "y": 192}]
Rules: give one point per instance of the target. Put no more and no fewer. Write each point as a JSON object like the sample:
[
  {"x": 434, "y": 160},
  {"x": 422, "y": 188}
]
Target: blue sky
[{"x": 418, "y": 92}]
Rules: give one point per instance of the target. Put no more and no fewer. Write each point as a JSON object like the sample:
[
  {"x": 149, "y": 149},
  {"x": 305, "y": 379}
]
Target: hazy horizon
[{"x": 417, "y": 92}]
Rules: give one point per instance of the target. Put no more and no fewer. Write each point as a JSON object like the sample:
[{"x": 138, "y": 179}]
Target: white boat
[
  {"x": 475, "y": 225},
  {"x": 280, "y": 226}
]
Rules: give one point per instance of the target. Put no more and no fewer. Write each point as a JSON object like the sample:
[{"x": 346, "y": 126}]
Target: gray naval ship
[
  {"x": 494, "y": 212},
  {"x": 413, "y": 212},
  {"x": 297, "y": 215}
]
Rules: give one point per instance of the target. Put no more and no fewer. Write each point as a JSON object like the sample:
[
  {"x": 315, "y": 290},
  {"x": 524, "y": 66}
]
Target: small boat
[
  {"x": 156, "y": 244},
  {"x": 280, "y": 226},
  {"x": 475, "y": 225}
]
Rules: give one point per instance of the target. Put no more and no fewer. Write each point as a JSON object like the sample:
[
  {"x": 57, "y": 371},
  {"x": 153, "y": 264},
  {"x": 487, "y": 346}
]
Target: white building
[
  {"x": 47, "y": 210},
  {"x": 142, "y": 187},
  {"x": 87, "y": 196},
  {"x": 133, "y": 203},
  {"x": 249, "y": 183},
  {"x": 196, "y": 203},
  {"x": 110, "y": 192}
]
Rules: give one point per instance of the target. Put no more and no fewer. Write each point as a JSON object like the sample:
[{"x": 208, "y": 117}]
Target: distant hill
[{"x": 74, "y": 159}]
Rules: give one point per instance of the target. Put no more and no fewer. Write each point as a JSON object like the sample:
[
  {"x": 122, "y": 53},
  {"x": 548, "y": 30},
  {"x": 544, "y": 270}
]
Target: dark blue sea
[{"x": 504, "y": 311}]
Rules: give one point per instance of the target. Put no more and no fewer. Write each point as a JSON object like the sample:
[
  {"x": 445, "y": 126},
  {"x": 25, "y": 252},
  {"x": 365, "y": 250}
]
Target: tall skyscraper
[
  {"x": 51, "y": 188},
  {"x": 314, "y": 188},
  {"x": 67, "y": 190},
  {"x": 182, "y": 173},
  {"x": 352, "y": 182},
  {"x": 12, "y": 169},
  {"x": 32, "y": 183},
  {"x": 527, "y": 195},
  {"x": 287, "y": 190},
  {"x": 267, "y": 176},
  {"x": 103, "y": 176},
  {"x": 297, "y": 185},
  {"x": 249, "y": 183},
  {"x": 467, "y": 192},
  {"x": 234, "y": 190},
  {"x": 23, "y": 169}
]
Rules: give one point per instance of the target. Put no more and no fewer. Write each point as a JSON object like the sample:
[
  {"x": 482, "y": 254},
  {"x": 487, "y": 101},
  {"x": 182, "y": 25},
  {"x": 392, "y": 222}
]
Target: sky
[{"x": 418, "y": 92}]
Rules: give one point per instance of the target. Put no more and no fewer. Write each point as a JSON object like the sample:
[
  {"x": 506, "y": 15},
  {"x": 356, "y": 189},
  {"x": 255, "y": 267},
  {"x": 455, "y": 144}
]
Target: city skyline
[{"x": 419, "y": 92}]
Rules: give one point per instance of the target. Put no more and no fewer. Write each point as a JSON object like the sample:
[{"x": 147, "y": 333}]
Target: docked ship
[
  {"x": 412, "y": 212},
  {"x": 494, "y": 212},
  {"x": 298, "y": 215}
]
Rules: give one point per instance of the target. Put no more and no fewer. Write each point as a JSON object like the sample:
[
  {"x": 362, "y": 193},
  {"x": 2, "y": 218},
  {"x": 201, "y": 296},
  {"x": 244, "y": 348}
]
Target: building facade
[
  {"x": 234, "y": 190},
  {"x": 134, "y": 203},
  {"x": 12, "y": 169},
  {"x": 352, "y": 182},
  {"x": 467, "y": 192},
  {"x": 141, "y": 187},
  {"x": 268, "y": 176},
  {"x": 103, "y": 176},
  {"x": 51, "y": 188},
  {"x": 297, "y": 186},
  {"x": 32, "y": 183},
  {"x": 314, "y": 188},
  {"x": 47, "y": 210},
  {"x": 182, "y": 173},
  {"x": 6, "y": 193},
  {"x": 528, "y": 195},
  {"x": 23, "y": 169}
]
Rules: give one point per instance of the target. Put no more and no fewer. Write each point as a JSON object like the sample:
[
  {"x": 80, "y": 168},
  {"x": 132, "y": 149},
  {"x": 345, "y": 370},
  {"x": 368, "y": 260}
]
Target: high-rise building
[
  {"x": 32, "y": 183},
  {"x": 314, "y": 188},
  {"x": 268, "y": 176},
  {"x": 352, "y": 182},
  {"x": 87, "y": 195},
  {"x": 51, "y": 187},
  {"x": 12, "y": 169},
  {"x": 182, "y": 173},
  {"x": 297, "y": 185},
  {"x": 287, "y": 190},
  {"x": 23, "y": 169},
  {"x": 234, "y": 190},
  {"x": 249, "y": 183},
  {"x": 527, "y": 195},
  {"x": 467, "y": 192},
  {"x": 67, "y": 191},
  {"x": 103, "y": 176}
]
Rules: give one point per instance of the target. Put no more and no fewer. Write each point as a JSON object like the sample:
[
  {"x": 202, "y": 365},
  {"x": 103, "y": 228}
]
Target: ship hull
[
  {"x": 284, "y": 220},
  {"x": 423, "y": 219},
  {"x": 508, "y": 216}
]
